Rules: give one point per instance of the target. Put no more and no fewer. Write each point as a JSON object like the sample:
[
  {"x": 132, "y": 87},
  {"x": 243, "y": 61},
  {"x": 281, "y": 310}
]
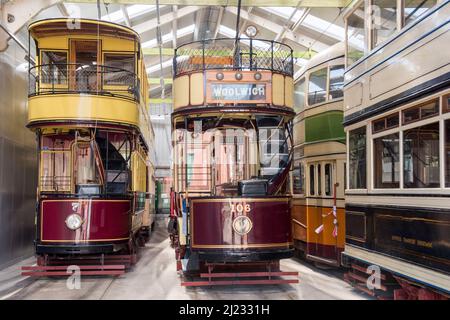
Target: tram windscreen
[{"x": 215, "y": 160}]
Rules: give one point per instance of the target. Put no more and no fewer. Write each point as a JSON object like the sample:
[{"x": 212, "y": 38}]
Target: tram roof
[
  {"x": 331, "y": 53},
  {"x": 64, "y": 26}
]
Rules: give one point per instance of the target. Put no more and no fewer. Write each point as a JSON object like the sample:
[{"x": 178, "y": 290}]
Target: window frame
[
  {"x": 64, "y": 84},
  {"x": 440, "y": 118}
]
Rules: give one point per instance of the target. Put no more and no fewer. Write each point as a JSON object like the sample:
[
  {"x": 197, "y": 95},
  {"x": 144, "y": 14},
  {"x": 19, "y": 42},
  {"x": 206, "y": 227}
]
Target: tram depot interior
[{"x": 239, "y": 149}]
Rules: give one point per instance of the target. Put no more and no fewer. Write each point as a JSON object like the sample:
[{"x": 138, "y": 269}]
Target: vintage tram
[
  {"x": 397, "y": 122},
  {"x": 88, "y": 105},
  {"x": 232, "y": 131},
  {"x": 318, "y": 216}
]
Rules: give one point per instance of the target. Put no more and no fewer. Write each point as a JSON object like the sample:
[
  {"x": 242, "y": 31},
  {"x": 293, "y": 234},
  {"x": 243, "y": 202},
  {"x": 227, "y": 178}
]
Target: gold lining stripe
[{"x": 244, "y": 246}]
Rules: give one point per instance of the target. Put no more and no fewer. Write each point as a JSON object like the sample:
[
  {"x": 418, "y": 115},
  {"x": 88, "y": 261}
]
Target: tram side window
[
  {"x": 299, "y": 95},
  {"x": 317, "y": 87},
  {"x": 119, "y": 69},
  {"x": 319, "y": 180},
  {"x": 328, "y": 179},
  {"x": 414, "y": 9},
  {"x": 384, "y": 18},
  {"x": 54, "y": 67},
  {"x": 55, "y": 164},
  {"x": 357, "y": 158},
  {"x": 386, "y": 161},
  {"x": 298, "y": 176},
  {"x": 447, "y": 153},
  {"x": 336, "y": 82},
  {"x": 312, "y": 190},
  {"x": 421, "y": 157},
  {"x": 355, "y": 34}
]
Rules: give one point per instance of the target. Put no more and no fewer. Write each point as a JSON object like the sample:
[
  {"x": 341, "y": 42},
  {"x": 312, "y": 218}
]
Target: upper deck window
[
  {"x": 384, "y": 20},
  {"x": 336, "y": 82},
  {"x": 54, "y": 67},
  {"x": 317, "y": 88},
  {"x": 299, "y": 95},
  {"x": 119, "y": 69},
  {"x": 355, "y": 35},
  {"x": 414, "y": 9}
]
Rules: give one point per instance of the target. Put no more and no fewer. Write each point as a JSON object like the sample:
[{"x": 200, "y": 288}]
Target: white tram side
[{"x": 397, "y": 123}]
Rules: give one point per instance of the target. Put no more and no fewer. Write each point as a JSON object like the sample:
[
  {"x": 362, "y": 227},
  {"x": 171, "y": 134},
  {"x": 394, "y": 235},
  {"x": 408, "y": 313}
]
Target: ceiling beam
[
  {"x": 219, "y": 22},
  {"x": 157, "y": 81},
  {"x": 174, "y": 26},
  {"x": 167, "y": 18},
  {"x": 245, "y": 3},
  {"x": 16, "y": 14},
  {"x": 123, "y": 8},
  {"x": 276, "y": 28}
]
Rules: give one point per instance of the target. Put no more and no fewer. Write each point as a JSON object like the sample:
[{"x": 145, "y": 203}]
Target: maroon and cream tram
[
  {"x": 232, "y": 124},
  {"x": 88, "y": 107}
]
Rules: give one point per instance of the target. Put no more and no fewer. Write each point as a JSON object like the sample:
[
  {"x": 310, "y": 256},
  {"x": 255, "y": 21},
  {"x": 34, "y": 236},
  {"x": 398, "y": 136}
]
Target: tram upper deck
[
  {"x": 394, "y": 54},
  {"x": 87, "y": 72},
  {"x": 225, "y": 75},
  {"x": 318, "y": 100}
]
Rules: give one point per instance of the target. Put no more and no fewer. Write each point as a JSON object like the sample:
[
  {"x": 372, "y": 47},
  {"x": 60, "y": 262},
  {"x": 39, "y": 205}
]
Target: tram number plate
[
  {"x": 238, "y": 92},
  {"x": 240, "y": 207}
]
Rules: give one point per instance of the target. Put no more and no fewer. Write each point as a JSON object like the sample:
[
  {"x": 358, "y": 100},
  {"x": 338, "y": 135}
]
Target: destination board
[{"x": 243, "y": 92}]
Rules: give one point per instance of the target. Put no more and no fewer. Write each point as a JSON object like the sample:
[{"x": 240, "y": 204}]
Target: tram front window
[{"x": 87, "y": 173}]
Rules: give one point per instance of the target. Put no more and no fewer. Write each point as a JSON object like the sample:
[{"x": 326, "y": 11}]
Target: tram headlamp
[
  {"x": 251, "y": 31},
  {"x": 74, "y": 221},
  {"x": 258, "y": 76},
  {"x": 238, "y": 76}
]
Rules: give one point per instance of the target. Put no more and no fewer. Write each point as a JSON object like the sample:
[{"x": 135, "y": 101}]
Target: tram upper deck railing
[
  {"x": 93, "y": 79},
  {"x": 229, "y": 54}
]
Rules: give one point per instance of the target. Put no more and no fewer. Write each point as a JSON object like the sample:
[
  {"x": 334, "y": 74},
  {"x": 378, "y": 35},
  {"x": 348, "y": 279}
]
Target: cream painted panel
[
  {"x": 417, "y": 63},
  {"x": 353, "y": 96},
  {"x": 197, "y": 89},
  {"x": 289, "y": 92},
  {"x": 181, "y": 92},
  {"x": 278, "y": 89}
]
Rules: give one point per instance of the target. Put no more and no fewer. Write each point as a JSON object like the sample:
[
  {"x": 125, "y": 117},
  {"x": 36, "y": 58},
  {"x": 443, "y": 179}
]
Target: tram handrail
[
  {"x": 56, "y": 78},
  {"x": 222, "y": 54}
]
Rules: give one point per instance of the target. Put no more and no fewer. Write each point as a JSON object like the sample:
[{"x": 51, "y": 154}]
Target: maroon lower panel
[
  {"x": 324, "y": 251},
  {"x": 214, "y": 225},
  {"x": 103, "y": 220}
]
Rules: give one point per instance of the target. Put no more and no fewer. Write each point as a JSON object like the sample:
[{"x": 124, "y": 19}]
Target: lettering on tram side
[
  {"x": 229, "y": 310},
  {"x": 416, "y": 242},
  {"x": 241, "y": 91}
]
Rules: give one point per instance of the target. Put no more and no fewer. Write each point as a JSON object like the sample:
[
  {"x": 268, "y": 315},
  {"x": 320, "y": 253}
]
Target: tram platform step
[
  {"x": 241, "y": 278},
  {"x": 68, "y": 270}
]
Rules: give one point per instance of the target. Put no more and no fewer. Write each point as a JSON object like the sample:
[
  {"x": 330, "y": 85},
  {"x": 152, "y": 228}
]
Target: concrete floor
[{"x": 154, "y": 277}]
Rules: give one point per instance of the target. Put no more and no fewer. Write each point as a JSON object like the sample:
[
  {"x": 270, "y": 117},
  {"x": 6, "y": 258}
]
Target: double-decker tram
[
  {"x": 318, "y": 216},
  {"x": 397, "y": 121},
  {"x": 88, "y": 107},
  {"x": 232, "y": 131}
]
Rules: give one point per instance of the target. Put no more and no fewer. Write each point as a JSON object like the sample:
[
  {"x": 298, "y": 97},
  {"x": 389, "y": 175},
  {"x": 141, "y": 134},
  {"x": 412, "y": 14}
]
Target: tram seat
[
  {"x": 85, "y": 189},
  {"x": 226, "y": 190},
  {"x": 254, "y": 187}
]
